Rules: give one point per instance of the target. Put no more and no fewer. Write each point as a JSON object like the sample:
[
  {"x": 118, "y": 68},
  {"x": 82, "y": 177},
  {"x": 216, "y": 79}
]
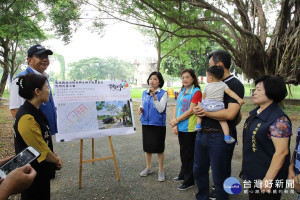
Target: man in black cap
[{"x": 38, "y": 62}]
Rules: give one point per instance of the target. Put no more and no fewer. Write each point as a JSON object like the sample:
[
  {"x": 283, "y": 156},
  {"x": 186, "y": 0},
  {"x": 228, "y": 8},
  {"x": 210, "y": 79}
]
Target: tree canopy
[
  {"x": 100, "y": 69},
  {"x": 22, "y": 26},
  {"x": 263, "y": 36},
  {"x": 258, "y": 46}
]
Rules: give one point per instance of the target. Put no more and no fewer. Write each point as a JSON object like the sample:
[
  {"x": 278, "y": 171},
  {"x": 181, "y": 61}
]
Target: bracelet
[{"x": 176, "y": 121}]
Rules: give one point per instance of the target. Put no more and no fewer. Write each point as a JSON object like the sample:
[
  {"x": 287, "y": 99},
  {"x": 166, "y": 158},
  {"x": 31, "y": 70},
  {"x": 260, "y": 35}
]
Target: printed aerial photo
[{"x": 113, "y": 114}]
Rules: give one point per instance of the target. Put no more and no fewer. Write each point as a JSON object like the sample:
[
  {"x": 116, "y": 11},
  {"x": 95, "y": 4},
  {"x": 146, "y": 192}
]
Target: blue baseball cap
[{"x": 37, "y": 50}]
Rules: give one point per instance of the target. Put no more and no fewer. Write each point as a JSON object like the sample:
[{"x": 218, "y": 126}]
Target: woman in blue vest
[
  {"x": 183, "y": 123},
  {"x": 32, "y": 129},
  {"x": 153, "y": 118},
  {"x": 266, "y": 141}
]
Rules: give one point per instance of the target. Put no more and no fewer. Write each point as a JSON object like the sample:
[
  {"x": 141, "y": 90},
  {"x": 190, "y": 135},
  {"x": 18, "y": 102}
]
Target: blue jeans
[{"x": 211, "y": 150}]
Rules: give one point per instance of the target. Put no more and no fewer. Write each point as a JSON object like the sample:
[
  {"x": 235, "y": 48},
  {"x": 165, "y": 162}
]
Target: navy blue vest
[
  {"x": 258, "y": 148},
  {"x": 47, "y": 108},
  {"x": 150, "y": 115},
  {"x": 43, "y": 169}
]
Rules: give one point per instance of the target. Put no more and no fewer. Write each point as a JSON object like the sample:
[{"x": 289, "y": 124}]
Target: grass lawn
[
  {"x": 5, "y": 94},
  {"x": 294, "y": 90},
  {"x": 137, "y": 93}
]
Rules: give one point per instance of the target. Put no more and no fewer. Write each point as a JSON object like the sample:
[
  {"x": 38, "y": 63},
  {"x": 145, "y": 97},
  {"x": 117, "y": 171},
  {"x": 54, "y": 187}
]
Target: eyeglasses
[
  {"x": 47, "y": 87},
  {"x": 41, "y": 56}
]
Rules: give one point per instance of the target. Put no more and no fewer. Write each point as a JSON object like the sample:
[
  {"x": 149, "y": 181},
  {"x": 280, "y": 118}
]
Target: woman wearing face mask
[
  {"x": 153, "y": 119},
  {"x": 266, "y": 141},
  {"x": 183, "y": 125},
  {"x": 32, "y": 129}
]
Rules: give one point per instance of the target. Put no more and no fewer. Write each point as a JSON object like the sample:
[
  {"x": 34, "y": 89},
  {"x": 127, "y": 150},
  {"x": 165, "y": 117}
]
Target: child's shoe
[
  {"x": 228, "y": 139},
  {"x": 198, "y": 127}
]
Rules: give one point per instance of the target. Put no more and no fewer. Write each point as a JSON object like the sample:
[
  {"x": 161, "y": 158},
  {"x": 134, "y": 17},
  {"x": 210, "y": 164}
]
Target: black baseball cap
[{"x": 37, "y": 50}]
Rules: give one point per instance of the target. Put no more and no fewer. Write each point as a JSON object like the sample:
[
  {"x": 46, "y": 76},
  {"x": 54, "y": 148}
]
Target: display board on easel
[{"x": 93, "y": 109}]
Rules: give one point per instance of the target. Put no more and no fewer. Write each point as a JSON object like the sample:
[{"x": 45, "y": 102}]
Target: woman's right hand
[
  {"x": 173, "y": 122},
  {"x": 140, "y": 110},
  {"x": 175, "y": 129},
  {"x": 291, "y": 174},
  {"x": 59, "y": 165}
]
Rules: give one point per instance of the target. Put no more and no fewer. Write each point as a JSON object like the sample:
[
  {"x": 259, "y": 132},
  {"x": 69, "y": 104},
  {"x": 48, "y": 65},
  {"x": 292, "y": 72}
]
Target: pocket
[{"x": 218, "y": 136}]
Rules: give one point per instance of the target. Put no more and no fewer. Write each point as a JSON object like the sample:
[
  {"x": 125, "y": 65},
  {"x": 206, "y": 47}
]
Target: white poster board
[{"x": 92, "y": 109}]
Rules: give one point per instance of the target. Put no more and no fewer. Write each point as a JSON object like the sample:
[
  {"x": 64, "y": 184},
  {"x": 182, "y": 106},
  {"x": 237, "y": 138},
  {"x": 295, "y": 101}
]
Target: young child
[{"x": 213, "y": 95}]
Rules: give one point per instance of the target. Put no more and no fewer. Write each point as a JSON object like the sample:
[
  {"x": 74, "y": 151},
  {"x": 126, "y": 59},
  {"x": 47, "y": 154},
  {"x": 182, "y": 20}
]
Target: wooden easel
[{"x": 97, "y": 159}]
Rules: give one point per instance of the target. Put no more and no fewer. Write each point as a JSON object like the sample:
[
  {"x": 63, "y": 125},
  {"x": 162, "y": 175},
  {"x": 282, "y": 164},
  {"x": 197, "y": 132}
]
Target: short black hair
[
  {"x": 160, "y": 78},
  {"x": 216, "y": 71},
  {"x": 221, "y": 56},
  {"x": 28, "y": 83},
  {"x": 275, "y": 87}
]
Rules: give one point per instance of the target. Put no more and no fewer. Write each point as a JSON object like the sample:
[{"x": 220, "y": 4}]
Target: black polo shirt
[{"x": 236, "y": 86}]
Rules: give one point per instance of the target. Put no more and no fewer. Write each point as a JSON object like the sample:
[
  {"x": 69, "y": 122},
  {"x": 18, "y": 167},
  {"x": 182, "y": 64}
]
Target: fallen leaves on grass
[{"x": 6, "y": 131}]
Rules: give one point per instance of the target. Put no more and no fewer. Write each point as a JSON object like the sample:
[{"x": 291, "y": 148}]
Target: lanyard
[{"x": 180, "y": 100}]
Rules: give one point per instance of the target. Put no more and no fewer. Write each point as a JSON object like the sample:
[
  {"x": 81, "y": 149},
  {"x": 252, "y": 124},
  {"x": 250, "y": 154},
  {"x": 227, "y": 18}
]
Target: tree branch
[
  {"x": 173, "y": 49},
  {"x": 262, "y": 21}
]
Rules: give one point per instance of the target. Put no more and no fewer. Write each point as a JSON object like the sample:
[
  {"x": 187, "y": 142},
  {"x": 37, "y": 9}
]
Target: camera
[{"x": 26, "y": 156}]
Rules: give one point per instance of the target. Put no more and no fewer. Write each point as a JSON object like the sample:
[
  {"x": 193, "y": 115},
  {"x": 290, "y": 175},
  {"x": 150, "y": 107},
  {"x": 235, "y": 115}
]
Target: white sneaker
[
  {"x": 145, "y": 172},
  {"x": 161, "y": 176}
]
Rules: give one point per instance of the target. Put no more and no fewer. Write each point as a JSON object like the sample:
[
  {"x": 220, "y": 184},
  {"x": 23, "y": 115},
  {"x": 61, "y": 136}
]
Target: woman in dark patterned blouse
[{"x": 266, "y": 141}]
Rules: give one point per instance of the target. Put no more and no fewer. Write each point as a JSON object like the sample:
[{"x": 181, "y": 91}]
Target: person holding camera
[
  {"x": 17, "y": 180},
  {"x": 153, "y": 119},
  {"x": 32, "y": 129}
]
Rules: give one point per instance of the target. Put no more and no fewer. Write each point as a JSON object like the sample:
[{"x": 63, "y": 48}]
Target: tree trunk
[
  {"x": 158, "y": 63},
  {"x": 284, "y": 48},
  {"x": 5, "y": 65},
  {"x": 247, "y": 44},
  {"x": 3, "y": 80},
  {"x": 158, "y": 47}
]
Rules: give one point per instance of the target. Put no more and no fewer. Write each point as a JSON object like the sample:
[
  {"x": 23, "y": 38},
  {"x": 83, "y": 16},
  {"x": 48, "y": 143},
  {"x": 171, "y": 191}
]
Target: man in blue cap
[{"x": 38, "y": 62}]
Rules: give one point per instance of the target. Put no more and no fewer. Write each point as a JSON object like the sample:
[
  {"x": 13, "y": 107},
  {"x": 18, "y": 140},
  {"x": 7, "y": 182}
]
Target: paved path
[{"x": 99, "y": 179}]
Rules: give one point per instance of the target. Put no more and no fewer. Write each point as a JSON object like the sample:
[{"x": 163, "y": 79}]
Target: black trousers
[
  {"x": 187, "y": 146},
  {"x": 39, "y": 190}
]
